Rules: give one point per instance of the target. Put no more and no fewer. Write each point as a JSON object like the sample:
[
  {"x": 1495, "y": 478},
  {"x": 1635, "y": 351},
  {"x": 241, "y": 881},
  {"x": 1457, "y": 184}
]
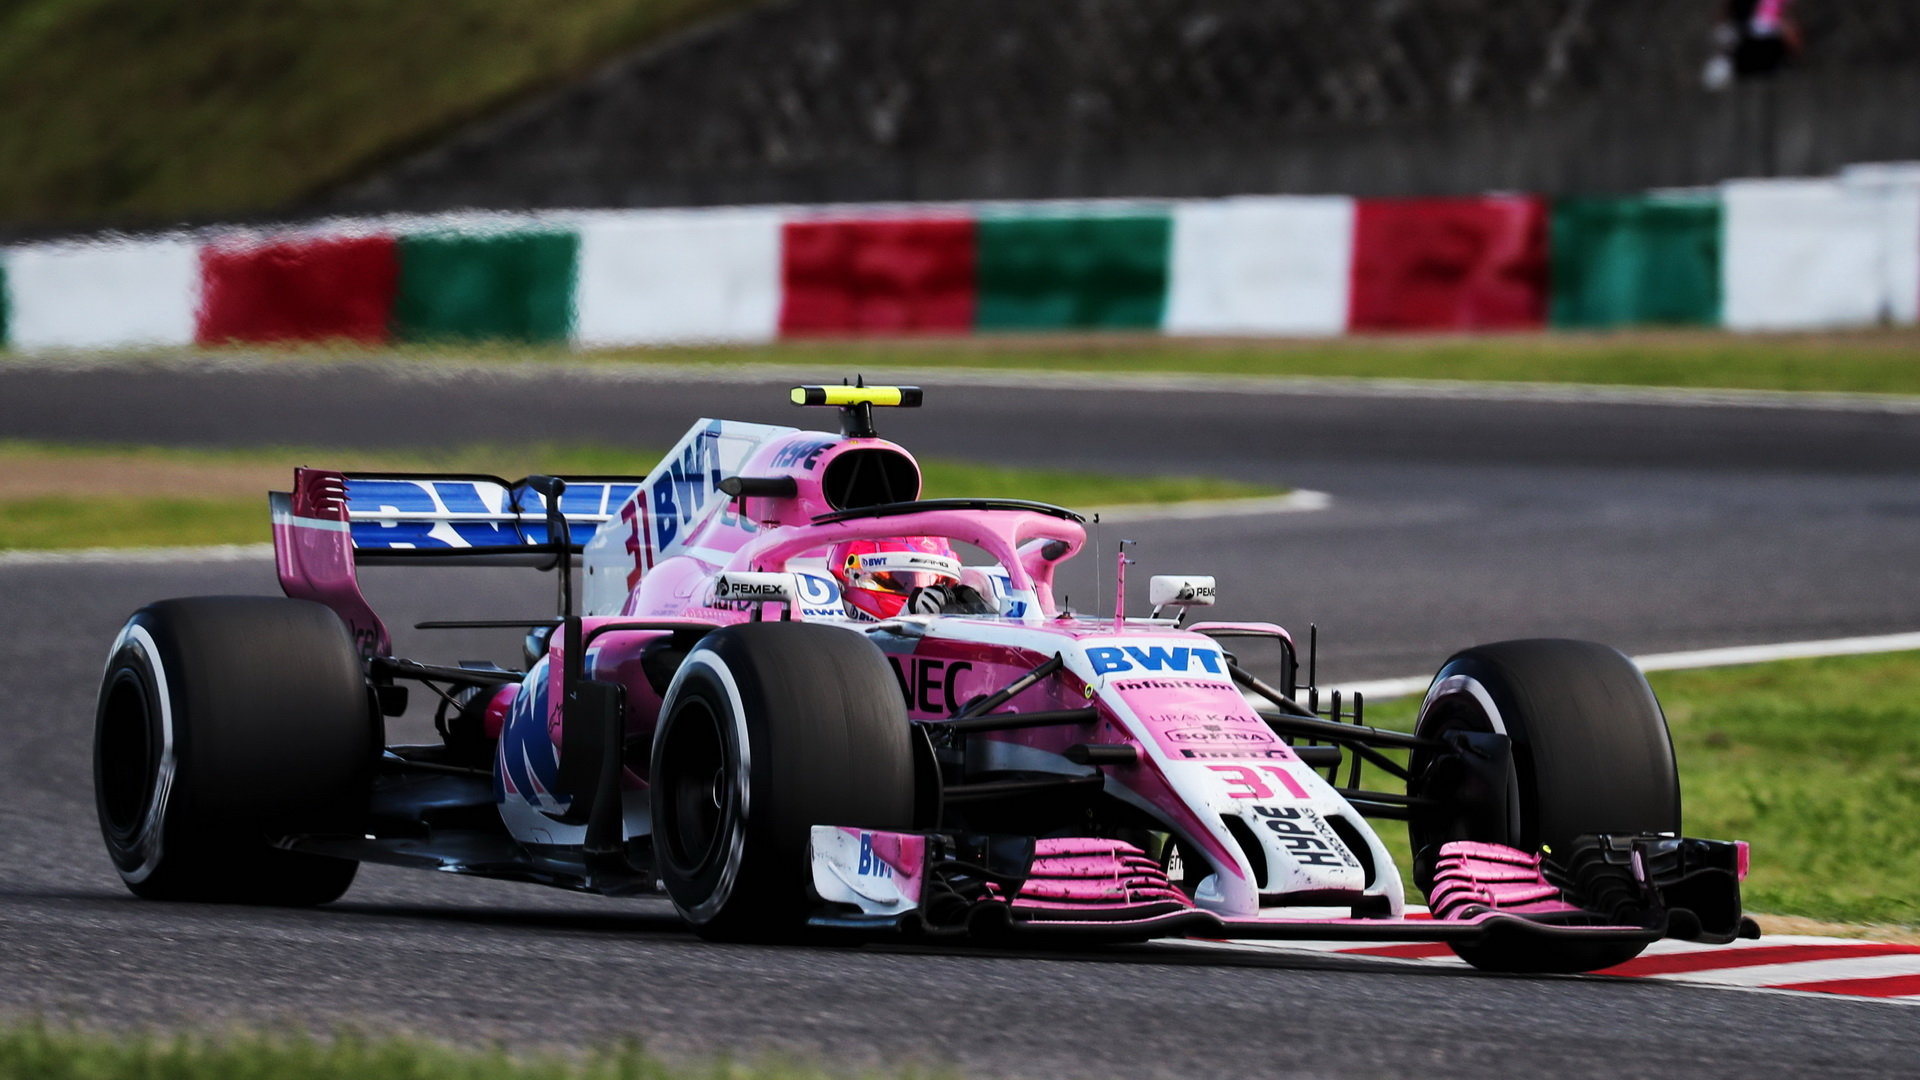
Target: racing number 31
[{"x": 1249, "y": 784}]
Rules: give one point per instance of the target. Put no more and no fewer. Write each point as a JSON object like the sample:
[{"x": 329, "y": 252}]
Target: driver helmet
[{"x": 877, "y": 576}]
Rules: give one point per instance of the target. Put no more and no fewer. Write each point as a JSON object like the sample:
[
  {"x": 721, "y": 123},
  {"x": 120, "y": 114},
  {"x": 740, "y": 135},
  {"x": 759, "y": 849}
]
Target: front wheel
[
  {"x": 767, "y": 730},
  {"x": 1591, "y": 754},
  {"x": 225, "y": 722}
]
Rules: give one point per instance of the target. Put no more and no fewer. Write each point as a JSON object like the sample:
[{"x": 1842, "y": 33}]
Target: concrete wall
[{"x": 856, "y": 100}]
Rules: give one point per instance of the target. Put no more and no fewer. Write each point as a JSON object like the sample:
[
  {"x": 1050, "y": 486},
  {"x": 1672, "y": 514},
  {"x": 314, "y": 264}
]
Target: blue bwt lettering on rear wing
[
  {"x": 332, "y": 522},
  {"x": 402, "y": 515},
  {"x": 399, "y": 517}
]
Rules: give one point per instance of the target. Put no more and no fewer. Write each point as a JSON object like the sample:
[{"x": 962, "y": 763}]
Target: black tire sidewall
[
  {"x": 265, "y": 707},
  {"x": 1591, "y": 754},
  {"x": 703, "y": 890},
  {"x": 1591, "y": 750},
  {"x": 135, "y": 846},
  {"x": 817, "y": 734}
]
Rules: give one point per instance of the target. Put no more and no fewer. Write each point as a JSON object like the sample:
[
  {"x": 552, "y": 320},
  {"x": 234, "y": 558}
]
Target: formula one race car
[{"x": 792, "y": 704}]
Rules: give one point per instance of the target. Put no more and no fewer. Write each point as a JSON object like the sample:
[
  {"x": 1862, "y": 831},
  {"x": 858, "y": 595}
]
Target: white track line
[
  {"x": 1292, "y": 502},
  {"x": 218, "y": 553},
  {"x": 1299, "y": 501},
  {"x": 1792, "y": 650},
  {"x": 1781, "y": 975},
  {"x": 1699, "y": 658},
  {"x": 436, "y": 370},
  {"x": 1381, "y": 689}
]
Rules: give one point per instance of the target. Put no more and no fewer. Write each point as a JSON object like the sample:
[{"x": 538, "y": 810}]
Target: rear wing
[
  {"x": 332, "y": 522},
  {"x": 466, "y": 518}
]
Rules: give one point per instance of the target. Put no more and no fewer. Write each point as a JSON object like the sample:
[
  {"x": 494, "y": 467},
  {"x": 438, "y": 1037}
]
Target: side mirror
[{"x": 1181, "y": 590}]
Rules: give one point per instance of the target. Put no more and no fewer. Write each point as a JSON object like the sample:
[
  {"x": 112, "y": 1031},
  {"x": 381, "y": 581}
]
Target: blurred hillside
[
  {"x": 145, "y": 111},
  {"x": 148, "y": 111}
]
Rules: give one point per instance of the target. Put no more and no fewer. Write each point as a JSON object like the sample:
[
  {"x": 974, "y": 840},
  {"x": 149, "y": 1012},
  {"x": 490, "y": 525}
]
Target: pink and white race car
[{"x": 796, "y": 696}]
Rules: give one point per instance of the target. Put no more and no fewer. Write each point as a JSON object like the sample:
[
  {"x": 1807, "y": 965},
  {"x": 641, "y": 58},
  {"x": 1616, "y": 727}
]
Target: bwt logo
[
  {"x": 1107, "y": 659},
  {"x": 428, "y": 499},
  {"x": 679, "y": 494},
  {"x": 872, "y": 865}
]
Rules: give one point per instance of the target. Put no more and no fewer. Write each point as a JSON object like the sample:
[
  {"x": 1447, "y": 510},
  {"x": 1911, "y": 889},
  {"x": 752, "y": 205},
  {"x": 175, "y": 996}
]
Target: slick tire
[
  {"x": 1591, "y": 754},
  {"x": 767, "y": 730},
  {"x": 224, "y": 724}
]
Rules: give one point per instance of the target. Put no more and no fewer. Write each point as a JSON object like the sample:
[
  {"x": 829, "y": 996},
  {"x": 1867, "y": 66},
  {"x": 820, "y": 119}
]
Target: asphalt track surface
[{"x": 1653, "y": 526}]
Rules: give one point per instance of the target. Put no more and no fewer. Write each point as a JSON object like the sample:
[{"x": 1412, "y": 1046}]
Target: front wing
[{"x": 941, "y": 884}]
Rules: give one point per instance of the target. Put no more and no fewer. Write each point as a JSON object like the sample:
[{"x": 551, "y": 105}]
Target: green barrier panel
[
  {"x": 1648, "y": 259},
  {"x": 477, "y": 286},
  {"x": 1057, "y": 273}
]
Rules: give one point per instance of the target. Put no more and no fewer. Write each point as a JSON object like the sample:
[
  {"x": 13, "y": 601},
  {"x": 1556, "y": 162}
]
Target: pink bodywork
[
  {"x": 313, "y": 552},
  {"x": 1083, "y": 875},
  {"x": 1200, "y": 754},
  {"x": 1473, "y": 878},
  {"x": 937, "y": 674}
]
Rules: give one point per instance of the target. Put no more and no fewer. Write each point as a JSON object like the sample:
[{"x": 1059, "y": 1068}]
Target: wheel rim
[
  {"x": 129, "y": 755},
  {"x": 699, "y": 793},
  {"x": 1461, "y": 710}
]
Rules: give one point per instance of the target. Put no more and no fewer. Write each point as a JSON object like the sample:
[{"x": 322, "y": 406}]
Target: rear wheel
[
  {"x": 1591, "y": 754},
  {"x": 767, "y": 730},
  {"x": 224, "y": 723}
]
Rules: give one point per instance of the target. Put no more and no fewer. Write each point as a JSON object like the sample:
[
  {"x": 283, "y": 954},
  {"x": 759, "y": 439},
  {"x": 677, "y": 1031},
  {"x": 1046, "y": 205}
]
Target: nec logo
[{"x": 1107, "y": 659}]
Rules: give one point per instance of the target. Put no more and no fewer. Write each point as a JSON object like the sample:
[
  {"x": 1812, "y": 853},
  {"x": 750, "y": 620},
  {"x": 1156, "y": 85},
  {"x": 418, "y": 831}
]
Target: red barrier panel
[
  {"x": 1450, "y": 264},
  {"x": 912, "y": 276},
  {"x": 298, "y": 290}
]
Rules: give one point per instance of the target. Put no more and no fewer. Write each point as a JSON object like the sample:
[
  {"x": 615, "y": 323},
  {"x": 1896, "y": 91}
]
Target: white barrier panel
[
  {"x": 1261, "y": 266},
  {"x": 1896, "y": 187},
  {"x": 1803, "y": 254},
  {"x": 108, "y": 295},
  {"x": 678, "y": 276}
]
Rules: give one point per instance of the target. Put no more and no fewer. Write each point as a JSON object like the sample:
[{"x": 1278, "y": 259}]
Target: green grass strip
[
  {"x": 54, "y": 522},
  {"x": 44, "y": 1052},
  {"x": 517, "y": 459},
  {"x": 1842, "y": 363},
  {"x": 1861, "y": 362},
  {"x": 1816, "y": 763}
]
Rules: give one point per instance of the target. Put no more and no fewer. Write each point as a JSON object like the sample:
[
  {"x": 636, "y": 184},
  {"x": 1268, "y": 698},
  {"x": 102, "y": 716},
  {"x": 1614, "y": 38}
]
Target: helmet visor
[{"x": 904, "y": 571}]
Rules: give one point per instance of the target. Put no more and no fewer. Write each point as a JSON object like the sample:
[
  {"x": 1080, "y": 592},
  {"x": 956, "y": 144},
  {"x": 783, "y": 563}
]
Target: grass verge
[
  {"x": 60, "y": 496},
  {"x": 144, "y": 112},
  {"x": 1816, "y": 763},
  {"x": 1867, "y": 362},
  {"x": 1883, "y": 361},
  {"x": 38, "y": 1050}
]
